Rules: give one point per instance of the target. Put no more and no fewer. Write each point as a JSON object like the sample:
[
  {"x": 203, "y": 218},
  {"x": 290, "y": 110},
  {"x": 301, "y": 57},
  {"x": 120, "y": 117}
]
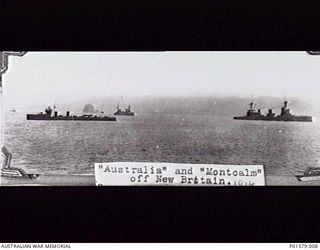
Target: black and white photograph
[
  {"x": 159, "y": 122},
  {"x": 64, "y": 112}
]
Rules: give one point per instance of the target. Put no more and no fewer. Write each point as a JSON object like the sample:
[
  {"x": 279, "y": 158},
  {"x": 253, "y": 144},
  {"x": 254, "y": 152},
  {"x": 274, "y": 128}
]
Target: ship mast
[
  {"x": 285, "y": 102},
  {"x": 252, "y": 104}
]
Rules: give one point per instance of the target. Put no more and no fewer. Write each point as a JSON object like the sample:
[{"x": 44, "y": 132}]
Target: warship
[
  {"x": 285, "y": 115},
  {"x": 51, "y": 115},
  {"x": 126, "y": 112}
]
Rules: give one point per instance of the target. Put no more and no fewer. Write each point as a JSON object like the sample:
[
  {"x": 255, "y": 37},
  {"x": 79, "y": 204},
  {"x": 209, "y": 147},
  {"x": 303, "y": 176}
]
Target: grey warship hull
[
  {"x": 277, "y": 118},
  {"x": 39, "y": 117},
  {"x": 124, "y": 114},
  {"x": 52, "y": 115}
]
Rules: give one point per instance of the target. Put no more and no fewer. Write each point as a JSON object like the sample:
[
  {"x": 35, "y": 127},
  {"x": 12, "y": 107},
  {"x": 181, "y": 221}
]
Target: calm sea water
[{"x": 73, "y": 147}]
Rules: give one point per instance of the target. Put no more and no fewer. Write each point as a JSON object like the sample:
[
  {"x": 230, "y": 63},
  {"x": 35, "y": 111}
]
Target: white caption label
[{"x": 172, "y": 174}]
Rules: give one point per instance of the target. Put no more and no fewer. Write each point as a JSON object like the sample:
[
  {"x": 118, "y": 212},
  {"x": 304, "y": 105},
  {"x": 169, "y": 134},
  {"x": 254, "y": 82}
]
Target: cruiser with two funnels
[
  {"x": 126, "y": 112},
  {"x": 285, "y": 115}
]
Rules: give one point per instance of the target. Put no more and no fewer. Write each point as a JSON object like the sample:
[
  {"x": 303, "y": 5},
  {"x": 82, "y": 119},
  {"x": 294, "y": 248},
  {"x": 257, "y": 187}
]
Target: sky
[{"x": 41, "y": 78}]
